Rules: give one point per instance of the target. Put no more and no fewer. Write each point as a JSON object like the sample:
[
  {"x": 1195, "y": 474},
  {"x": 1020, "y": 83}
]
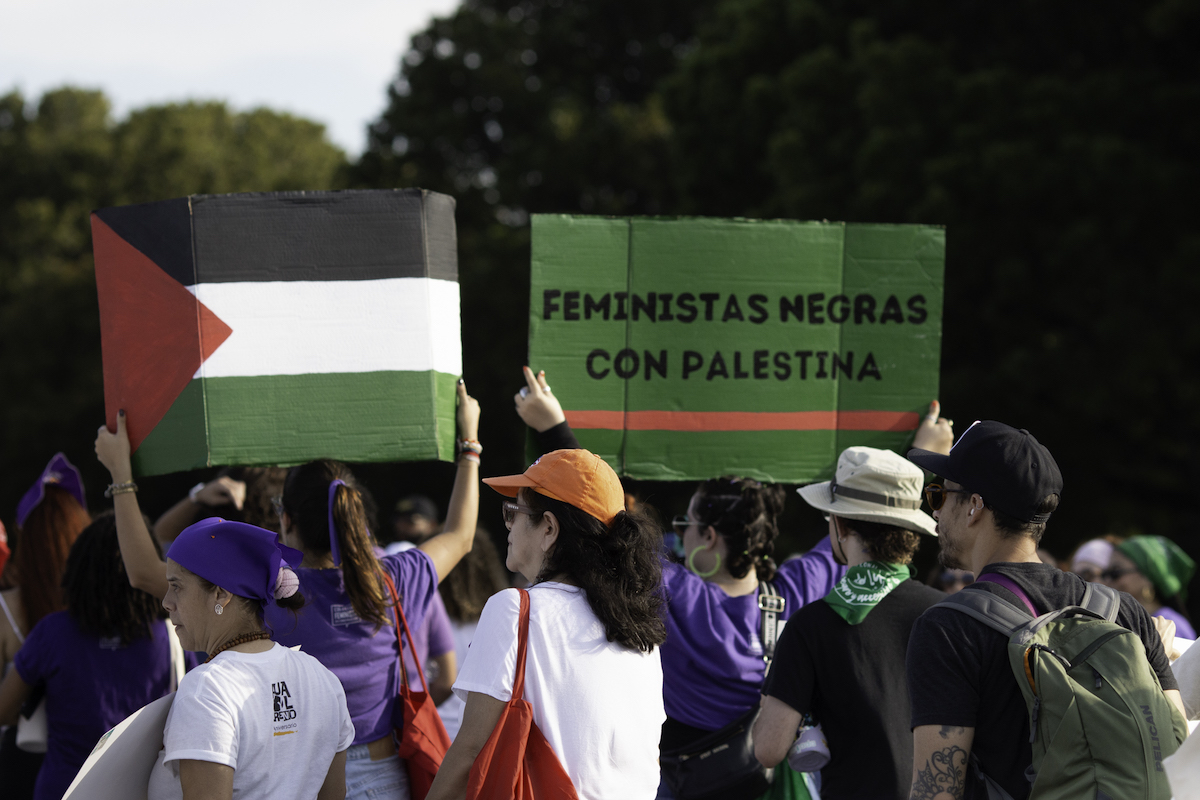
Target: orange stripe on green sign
[{"x": 699, "y": 421}]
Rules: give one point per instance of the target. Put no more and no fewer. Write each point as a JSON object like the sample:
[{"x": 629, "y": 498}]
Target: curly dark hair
[
  {"x": 617, "y": 567},
  {"x": 745, "y": 513},
  {"x": 884, "y": 542},
  {"x": 97, "y": 591},
  {"x": 306, "y": 501}
]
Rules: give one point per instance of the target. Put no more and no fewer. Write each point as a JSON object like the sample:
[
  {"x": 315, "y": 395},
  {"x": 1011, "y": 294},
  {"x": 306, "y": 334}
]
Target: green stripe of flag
[{"x": 284, "y": 419}]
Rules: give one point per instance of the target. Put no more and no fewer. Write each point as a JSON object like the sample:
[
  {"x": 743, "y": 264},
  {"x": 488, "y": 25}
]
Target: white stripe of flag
[{"x": 312, "y": 327}]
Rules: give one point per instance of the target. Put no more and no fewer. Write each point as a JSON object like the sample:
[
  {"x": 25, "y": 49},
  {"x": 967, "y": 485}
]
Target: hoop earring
[
  {"x": 691, "y": 563},
  {"x": 219, "y": 609}
]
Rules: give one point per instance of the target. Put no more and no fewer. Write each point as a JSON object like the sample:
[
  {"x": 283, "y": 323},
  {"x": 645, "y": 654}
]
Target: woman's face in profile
[{"x": 190, "y": 606}]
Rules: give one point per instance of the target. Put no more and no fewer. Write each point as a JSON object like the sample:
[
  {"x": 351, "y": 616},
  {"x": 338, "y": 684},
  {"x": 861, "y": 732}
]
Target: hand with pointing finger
[
  {"x": 113, "y": 450},
  {"x": 536, "y": 404},
  {"x": 468, "y": 414},
  {"x": 935, "y": 433}
]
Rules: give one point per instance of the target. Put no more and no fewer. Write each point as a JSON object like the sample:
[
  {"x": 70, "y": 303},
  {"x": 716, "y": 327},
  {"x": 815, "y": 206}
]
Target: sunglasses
[
  {"x": 935, "y": 495},
  {"x": 1113, "y": 573},
  {"x": 681, "y": 522},
  {"x": 509, "y": 509}
]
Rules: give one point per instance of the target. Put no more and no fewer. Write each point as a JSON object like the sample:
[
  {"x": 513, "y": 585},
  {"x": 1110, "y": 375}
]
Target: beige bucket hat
[{"x": 874, "y": 486}]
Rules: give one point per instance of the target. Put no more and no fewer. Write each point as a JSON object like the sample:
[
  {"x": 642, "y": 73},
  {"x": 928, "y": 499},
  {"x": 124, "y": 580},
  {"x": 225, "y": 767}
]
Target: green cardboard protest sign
[{"x": 684, "y": 349}]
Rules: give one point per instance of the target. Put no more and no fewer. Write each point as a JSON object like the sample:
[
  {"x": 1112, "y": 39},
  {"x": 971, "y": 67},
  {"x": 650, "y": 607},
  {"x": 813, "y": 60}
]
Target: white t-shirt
[
  {"x": 599, "y": 704},
  {"x": 277, "y": 717}
]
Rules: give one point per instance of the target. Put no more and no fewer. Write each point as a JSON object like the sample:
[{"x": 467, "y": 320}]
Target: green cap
[{"x": 1162, "y": 561}]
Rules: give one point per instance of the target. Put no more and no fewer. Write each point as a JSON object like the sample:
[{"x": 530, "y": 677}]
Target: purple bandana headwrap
[
  {"x": 240, "y": 558},
  {"x": 334, "y": 550},
  {"x": 61, "y": 473}
]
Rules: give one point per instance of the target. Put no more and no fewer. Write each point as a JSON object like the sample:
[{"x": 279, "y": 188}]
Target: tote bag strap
[
  {"x": 522, "y": 641},
  {"x": 402, "y": 624}
]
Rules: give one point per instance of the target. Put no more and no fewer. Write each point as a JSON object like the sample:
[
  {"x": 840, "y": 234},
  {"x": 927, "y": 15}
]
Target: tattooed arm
[{"x": 940, "y": 754}]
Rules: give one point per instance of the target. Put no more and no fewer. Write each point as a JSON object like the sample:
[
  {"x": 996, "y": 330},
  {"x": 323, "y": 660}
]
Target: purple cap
[
  {"x": 240, "y": 558},
  {"x": 59, "y": 472}
]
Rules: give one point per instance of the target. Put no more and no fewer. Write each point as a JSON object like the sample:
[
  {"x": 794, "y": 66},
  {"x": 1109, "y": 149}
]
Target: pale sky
[{"x": 328, "y": 61}]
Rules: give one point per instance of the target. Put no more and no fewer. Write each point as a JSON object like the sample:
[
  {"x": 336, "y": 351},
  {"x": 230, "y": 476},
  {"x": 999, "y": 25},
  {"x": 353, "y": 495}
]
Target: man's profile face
[{"x": 952, "y": 528}]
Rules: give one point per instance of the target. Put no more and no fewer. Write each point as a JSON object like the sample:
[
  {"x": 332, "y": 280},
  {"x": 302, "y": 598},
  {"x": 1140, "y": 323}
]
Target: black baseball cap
[{"x": 1010, "y": 469}]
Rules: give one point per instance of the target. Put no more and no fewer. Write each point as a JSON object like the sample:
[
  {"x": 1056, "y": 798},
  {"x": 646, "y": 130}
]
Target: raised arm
[
  {"x": 935, "y": 432},
  {"x": 539, "y": 409},
  {"x": 458, "y": 534},
  {"x": 940, "y": 756},
  {"x": 221, "y": 491},
  {"x": 145, "y": 569}
]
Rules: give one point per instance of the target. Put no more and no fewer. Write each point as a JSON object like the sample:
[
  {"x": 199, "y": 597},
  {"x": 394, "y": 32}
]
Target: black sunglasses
[
  {"x": 935, "y": 495},
  {"x": 1113, "y": 573},
  {"x": 509, "y": 509}
]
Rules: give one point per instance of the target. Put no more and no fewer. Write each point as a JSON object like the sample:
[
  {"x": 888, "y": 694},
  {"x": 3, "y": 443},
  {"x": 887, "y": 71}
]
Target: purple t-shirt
[
  {"x": 91, "y": 685},
  {"x": 712, "y": 661},
  {"x": 1183, "y": 628},
  {"x": 365, "y": 660},
  {"x": 435, "y": 637}
]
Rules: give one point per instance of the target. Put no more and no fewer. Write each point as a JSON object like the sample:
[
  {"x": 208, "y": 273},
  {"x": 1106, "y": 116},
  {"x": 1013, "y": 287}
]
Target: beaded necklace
[{"x": 235, "y": 641}]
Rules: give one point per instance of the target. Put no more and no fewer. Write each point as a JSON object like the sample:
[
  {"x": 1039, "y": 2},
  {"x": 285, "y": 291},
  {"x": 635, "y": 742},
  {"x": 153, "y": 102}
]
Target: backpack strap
[
  {"x": 990, "y": 609},
  {"x": 1012, "y": 586},
  {"x": 771, "y": 604},
  {"x": 1102, "y": 600}
]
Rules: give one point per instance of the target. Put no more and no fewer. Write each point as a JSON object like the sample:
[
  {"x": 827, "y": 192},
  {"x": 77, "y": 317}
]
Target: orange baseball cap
[{"x": 577, "y": 477}]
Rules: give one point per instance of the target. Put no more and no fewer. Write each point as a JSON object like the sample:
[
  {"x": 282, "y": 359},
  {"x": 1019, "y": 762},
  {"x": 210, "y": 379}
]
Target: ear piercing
[{"x": 219, "y": 609}]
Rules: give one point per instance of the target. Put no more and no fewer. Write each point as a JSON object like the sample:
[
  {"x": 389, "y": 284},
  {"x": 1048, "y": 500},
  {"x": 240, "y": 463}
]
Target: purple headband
[
  {"x": 240, "y": 558},
  {"x": 333, "y": 540},
  {"x": 61, "y": 473}
]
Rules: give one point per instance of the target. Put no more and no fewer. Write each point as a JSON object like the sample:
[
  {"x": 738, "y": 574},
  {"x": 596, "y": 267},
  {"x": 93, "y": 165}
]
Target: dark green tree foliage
[
  {"x": 1057, "y": 143},
  {"x": 519, "y": 108},
  {"x": 59, "y": 160}
]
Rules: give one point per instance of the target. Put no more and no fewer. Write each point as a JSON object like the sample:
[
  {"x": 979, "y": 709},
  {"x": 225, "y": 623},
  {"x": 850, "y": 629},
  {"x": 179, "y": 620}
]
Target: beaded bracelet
[
  {"x": 467, "y": 455},
  {"x": 120, "y": 488},
  {"x": 470, "y": 446}
]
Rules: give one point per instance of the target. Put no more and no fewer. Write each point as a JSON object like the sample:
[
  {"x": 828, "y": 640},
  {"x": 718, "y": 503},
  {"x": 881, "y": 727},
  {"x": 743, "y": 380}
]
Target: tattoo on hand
[{"x": 944, "y": 775}]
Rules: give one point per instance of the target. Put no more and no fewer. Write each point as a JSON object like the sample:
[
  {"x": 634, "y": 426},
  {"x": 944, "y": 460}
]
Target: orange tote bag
[
  {"x": 423, "y": 740},
  {"x": 517, "y": 762}
]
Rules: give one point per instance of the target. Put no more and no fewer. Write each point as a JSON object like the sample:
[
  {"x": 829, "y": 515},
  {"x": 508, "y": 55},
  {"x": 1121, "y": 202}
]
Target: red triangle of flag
[{"x": 154, "y": 334}]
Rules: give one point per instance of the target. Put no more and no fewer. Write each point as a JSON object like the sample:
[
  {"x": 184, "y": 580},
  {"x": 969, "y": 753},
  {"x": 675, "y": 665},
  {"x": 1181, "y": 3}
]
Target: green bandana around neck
[{"x": 864, "y": 585}]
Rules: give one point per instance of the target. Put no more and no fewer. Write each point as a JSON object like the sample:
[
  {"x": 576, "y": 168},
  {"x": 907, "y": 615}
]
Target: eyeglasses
[
  {"x": 682, "y": 521},
  {"x": 935, "y": 495},
  {"x": 1113, "y": 573},
  {"x": 509, "y": 510}
]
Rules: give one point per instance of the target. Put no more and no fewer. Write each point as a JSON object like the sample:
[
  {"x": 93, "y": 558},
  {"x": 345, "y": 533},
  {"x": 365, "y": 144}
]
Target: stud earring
[{"x": 219, "y": 610}]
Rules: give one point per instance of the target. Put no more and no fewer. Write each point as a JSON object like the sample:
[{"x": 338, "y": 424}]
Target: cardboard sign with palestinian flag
[
  {"x": 684, "y": 349},
  {"x": 277, "y": 328}
]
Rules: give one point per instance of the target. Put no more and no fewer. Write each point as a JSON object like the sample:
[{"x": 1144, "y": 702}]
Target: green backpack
[{"x": 1100, "y": 725}]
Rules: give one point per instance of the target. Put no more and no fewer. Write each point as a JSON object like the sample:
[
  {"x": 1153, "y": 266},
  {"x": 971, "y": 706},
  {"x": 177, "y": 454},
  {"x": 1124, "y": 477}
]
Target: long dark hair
[
  {"x": 745, "y": 513},
  {"x": 43, "y": 545},
  {"x": 480, "y": 574},
  {"x": 97, "y": 591},
  {"x": 617, "y": 567},
  {"x": 306, "y": 501}
]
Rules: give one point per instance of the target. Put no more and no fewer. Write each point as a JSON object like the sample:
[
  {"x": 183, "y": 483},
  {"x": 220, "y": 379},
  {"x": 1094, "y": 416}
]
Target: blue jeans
[{"x": 374, "y": 780}]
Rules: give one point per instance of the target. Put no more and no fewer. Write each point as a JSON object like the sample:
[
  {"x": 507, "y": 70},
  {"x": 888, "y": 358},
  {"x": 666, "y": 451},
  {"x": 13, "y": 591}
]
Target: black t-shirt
[
  {"x": 851, "y": 677},
  {"x": 959, "y": 673}
]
